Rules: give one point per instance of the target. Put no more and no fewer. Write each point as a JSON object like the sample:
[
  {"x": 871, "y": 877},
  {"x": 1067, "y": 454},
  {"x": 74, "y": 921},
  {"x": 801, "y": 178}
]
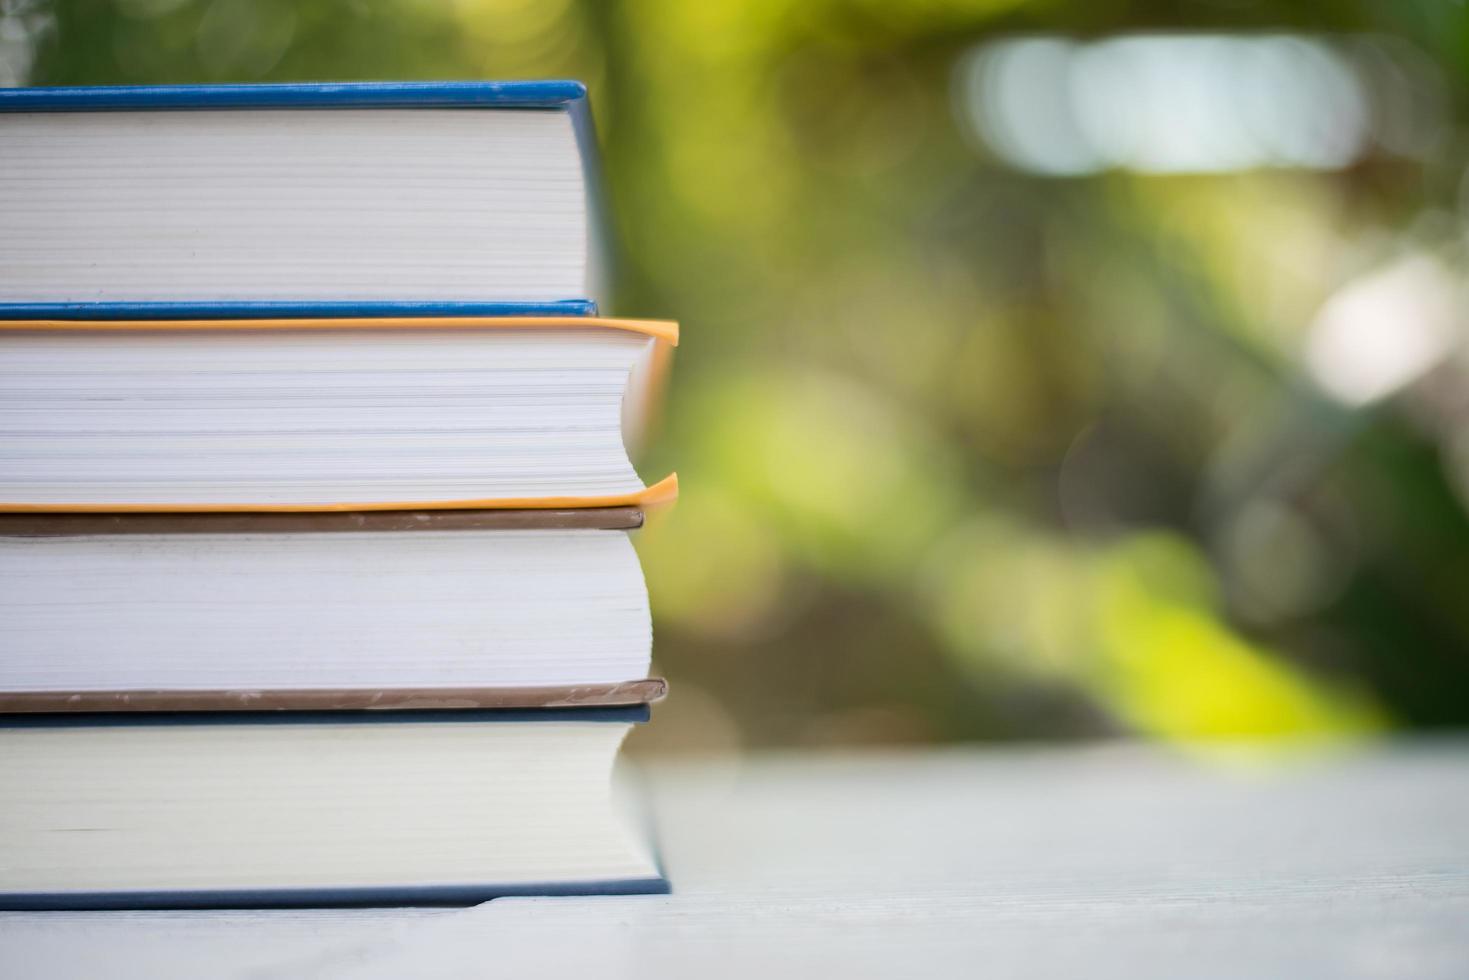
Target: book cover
[
  {"x": 634, "y": 693},
  {"x": 63, "y": 524}
]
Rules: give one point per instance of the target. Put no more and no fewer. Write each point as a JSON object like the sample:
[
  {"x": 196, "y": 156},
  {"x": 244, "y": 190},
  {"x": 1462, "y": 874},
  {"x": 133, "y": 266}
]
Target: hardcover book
[
  {"x": 340, "y": 199},
  {"x": 332, "y": 611},
  {"x": 347, "y": 414},
  {"x": 295, "y": 809}
]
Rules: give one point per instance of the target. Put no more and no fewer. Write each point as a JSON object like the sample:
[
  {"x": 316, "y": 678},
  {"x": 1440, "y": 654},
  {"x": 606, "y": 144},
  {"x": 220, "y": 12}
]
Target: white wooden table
[{"x": 1111, "y": 861}]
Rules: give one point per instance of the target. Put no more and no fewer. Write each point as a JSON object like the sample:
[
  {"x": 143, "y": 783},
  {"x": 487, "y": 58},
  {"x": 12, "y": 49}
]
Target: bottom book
[{"x": 240, "y": 810}]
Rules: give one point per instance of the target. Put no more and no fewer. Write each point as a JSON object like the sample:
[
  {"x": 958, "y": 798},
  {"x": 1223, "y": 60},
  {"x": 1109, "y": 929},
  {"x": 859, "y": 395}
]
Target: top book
[{"x": 353, "y": 199}]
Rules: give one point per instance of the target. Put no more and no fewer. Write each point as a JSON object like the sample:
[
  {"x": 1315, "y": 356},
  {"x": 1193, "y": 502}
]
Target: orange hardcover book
[{"x": 346, "y": 414}]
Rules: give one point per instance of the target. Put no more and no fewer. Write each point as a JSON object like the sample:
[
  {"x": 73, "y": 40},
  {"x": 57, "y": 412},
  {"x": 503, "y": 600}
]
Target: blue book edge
[
  {"x": 527, "y": 94},
  {"x": 353, "y": 897},
  {"x": 285, "y": 310}
]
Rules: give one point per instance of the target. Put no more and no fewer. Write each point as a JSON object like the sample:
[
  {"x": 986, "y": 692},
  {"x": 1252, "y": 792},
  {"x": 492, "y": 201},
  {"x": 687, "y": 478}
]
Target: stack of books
[{"x": 315, "y": 577}]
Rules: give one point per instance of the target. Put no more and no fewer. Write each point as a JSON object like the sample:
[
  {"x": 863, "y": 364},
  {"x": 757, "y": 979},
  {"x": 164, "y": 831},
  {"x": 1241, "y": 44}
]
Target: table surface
[{"x": 1117, "y": 860}]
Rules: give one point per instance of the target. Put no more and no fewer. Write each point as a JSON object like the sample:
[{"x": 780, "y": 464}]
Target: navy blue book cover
[{"x": 556, "y": 95}]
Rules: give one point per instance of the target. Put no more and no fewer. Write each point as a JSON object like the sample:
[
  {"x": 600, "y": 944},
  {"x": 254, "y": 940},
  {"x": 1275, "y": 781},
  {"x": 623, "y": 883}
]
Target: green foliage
[{"x": 964, "y": 453}]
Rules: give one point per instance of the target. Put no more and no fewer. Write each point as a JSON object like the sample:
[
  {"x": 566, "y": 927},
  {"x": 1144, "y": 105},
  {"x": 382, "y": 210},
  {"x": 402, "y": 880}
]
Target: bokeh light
[{"x": 1048, "y": 370}]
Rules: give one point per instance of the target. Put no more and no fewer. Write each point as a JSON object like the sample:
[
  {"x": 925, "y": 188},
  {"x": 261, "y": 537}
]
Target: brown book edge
[
  {"x": 395, "y": 699},
  {"x": 43, "y": 525}
]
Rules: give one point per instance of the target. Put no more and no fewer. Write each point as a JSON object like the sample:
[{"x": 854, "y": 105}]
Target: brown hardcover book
[{"x": 322, "y": 611}]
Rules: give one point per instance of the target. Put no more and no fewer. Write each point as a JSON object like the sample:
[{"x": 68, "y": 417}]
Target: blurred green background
[{"x": 1039, "y": 380}]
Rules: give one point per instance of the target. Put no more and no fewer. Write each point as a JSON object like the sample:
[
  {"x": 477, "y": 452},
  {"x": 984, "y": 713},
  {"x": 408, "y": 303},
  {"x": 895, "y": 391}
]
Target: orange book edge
[
  {"x": 653, "y": 497},
  {"x": 662, "y": 330}
]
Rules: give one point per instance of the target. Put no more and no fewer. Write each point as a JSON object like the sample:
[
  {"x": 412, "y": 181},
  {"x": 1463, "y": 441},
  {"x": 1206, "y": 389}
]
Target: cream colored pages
[{"x": 332, "y": 415}]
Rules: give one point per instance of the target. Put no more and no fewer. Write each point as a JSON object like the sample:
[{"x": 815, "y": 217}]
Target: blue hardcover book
[
  {"x": 298, "y": 200},
  {"x": 299, "y": 809}
]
